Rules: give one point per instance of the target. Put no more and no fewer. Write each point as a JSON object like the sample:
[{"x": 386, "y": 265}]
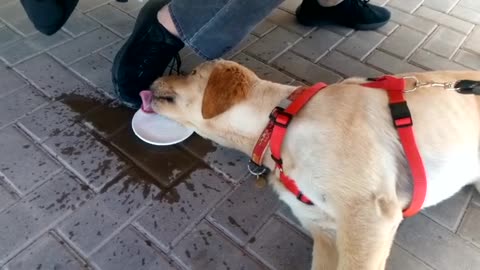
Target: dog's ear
[{"x": 228, "y": 84}]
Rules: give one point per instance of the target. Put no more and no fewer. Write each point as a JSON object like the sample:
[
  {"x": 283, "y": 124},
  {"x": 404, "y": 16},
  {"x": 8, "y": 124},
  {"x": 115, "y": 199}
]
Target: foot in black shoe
[
  {"x": 356, "y": 14},
  {"x": 145, "y": 55},
  {"x": 48, "y": 16}
]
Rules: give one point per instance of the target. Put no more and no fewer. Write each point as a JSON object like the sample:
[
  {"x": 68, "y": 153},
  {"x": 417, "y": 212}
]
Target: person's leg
[
  {"x": 209, "y": 27},
  {"x": 357, "y": 14},
  {"x": 48, "y": 16}
]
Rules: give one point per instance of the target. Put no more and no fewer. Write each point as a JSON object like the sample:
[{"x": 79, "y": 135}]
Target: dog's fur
[{"x": 341, "y": 149}]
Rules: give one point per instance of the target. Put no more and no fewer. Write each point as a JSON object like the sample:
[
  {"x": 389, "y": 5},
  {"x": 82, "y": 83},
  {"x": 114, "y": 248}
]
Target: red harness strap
[
  {"x": 402, "y": 120},
  {"x": 281, "y": 117}
]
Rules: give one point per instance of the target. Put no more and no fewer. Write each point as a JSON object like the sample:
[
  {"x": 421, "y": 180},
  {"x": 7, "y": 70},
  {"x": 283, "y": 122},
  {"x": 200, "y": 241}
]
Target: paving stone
[
  {"x": 9, "y": 81},
  {"x": 304, "y": 69},
  {"x": 84, "y": 45},
  {"x": 317, "y": 44},
  {"x": 290, "y": 5},
  {"x": 190, "y": 62},
  {"x": 450, "y": 212},
  {"x": 205, "y": 248},
  {"x": 166, "y": 164},
  {"x": 440, "y": 5},
  {"x": 18, "y": 103},
  {"x": 277, "y": 252},
  {"x": 273, "y": 44},
  {"x": 347, "y": 66},
  {"x": 107, "y": 120},
  {"x": 111, "y": 51},
  {"x": 263, "y": 28},
  {"x": 247, "y": 41},
  {"x": 117, "y": 203},
  {"x": 128, "y": 251},
  {"x": 7, "y": 36},
  {"x": 7, "y": 197},
  {"x": 49, "y": 76},
  {"x": 128, "y": 6},
  {"x": 400, "y": 259},
  {"x": 20, "y": 152},
  {"x": 472, "y": 4},
  {"x": 285, "y": 212},
  {"x": 38, "y": 211},
  {"x": 14, "y": 15},
  {"x": 288, "y": 21},
  {"x": 403, "y": 42},
  {"x": 262, "y": 70},
  {"x": 417, "y": 23},
  {"x": 32, "y": 45},
  {"x": 96, "y": 163},
  {"x": 361, "y": 44},
  {"x": 245, "y": 210},
  {"x": 405, "y": 5},
  {"x": 114, "y": 19},
  {"x": 96, "y": 70},
  {"x": 174, "y": 212},
  {"x": 444, "y": 42},
  {"x": 49, "y": 121},
  {"x": 466, "y": 14},
  {"x": 229, "y": 162},
  {"x": 473, "y": 40},
  {"x": 431, "y": 61},
  {"x": 436, "y": 245},
  {"x": 388, "y": 28},
  {"x": 341, "y": 30},
  {"x": 79, "y": 24},
  {"x": 444, "y": 19},
  {"x": 88, "y": 227},
  {"x": 469, "y": 228},
  {"x": 46, "y": 253},
  {"x": 87, "y": 5},
  {"x": 390, "y": 64}
]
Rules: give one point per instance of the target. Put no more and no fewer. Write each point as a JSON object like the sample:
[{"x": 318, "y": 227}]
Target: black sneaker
[
  {"x": 356, "y": 14},
  {"x": 48, "y": 16},
  {"x": 145, "y": 56}
]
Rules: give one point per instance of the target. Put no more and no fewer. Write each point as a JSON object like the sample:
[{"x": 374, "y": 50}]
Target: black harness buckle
[{"x": 401, "y": 114}]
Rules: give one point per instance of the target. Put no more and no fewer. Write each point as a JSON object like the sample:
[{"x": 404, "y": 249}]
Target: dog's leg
[
  {"x": 325, "y": 255},
  {"x": 366, "y": 229}
]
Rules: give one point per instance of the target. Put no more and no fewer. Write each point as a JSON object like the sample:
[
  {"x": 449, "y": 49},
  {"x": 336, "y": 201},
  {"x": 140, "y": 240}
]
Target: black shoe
[
  {"x": 48, "y": 16},
  {"x": 356, "y": 14},
  {"x": 145, "y": 56}
]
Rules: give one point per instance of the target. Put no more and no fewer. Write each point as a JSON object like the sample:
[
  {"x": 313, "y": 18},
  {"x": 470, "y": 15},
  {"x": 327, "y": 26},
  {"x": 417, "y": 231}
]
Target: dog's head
[{"x": 201, "y": 99}]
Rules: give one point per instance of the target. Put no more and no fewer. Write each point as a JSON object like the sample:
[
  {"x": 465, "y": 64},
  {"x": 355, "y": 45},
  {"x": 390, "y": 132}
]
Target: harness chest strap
[{"x": 281, "y": 117}]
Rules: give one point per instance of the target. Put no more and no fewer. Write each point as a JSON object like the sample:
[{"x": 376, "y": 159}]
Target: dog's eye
[
  {"x": 168, "y": 99},
  {"x": 194, "y": 72}
]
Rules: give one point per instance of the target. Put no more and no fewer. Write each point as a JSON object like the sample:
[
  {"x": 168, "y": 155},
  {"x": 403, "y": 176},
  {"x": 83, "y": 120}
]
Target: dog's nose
[{"x": 147, "y": 97}]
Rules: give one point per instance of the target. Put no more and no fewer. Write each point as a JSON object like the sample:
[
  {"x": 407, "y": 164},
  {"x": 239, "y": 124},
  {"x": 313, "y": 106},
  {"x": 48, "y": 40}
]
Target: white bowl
[{"x": 158, "y": 130}]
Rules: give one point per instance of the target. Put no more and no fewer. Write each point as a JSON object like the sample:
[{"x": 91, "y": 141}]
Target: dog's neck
[{"x": 246, "y": 122}]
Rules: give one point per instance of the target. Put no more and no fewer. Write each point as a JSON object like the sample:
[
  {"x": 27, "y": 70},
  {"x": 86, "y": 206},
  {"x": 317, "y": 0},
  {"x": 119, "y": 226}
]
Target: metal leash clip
[{"x": 449, "y": 86}]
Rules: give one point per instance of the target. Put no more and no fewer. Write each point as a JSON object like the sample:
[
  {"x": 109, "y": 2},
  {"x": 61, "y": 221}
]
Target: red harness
[{"x": 283, "y": 114}]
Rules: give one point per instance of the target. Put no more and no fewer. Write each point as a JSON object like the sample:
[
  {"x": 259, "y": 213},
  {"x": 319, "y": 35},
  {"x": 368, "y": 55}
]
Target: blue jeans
[{"x": 213, "y": 27}]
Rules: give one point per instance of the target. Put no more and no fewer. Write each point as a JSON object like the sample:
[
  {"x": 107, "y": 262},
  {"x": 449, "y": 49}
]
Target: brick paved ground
[{"x": 79, "y": 191}]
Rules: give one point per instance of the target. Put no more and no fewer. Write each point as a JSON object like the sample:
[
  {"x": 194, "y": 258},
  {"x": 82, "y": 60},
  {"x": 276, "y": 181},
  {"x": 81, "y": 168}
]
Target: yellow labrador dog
[{"x": 341, "y": 149}]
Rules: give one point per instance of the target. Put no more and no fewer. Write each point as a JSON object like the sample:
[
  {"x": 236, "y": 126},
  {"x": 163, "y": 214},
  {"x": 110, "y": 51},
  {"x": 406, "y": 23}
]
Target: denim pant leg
[{"x": 213, "y": 27}]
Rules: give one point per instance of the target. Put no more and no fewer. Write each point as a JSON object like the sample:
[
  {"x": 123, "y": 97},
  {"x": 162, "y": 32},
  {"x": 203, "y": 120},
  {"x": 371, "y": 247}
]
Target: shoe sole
[{"x": 116, "y": 65}]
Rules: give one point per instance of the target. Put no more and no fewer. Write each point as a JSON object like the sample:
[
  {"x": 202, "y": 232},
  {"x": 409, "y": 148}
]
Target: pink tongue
[{"x": 147, "y": 96}]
